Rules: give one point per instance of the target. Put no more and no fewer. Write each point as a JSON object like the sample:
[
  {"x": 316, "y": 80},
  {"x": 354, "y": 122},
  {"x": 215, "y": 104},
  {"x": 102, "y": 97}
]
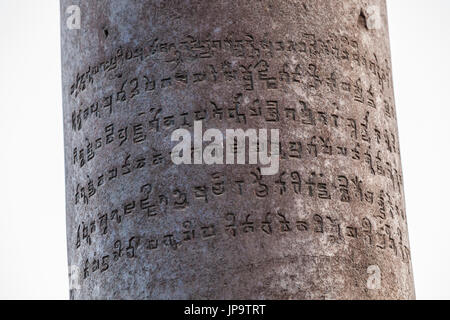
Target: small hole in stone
[
  {"x": 106, "y": 32},
  {"x": 362, "y": 20}
]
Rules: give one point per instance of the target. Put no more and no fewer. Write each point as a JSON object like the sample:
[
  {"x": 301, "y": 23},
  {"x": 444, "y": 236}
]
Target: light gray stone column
[{"x": 329, "y": 224}]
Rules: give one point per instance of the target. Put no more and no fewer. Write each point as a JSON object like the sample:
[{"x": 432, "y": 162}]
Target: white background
[{"x": 32, "y": 211}]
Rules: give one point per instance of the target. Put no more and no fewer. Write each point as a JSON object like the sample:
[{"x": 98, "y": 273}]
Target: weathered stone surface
[{"x": 329, "y": 225}]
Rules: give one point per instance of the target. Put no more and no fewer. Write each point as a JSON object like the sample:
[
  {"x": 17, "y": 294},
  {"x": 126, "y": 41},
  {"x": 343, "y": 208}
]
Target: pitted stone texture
[{"x": 330, "y": 225}]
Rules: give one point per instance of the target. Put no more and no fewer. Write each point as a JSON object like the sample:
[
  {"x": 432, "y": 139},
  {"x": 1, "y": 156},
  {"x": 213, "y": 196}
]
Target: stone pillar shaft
[{"x": 328, "y": 224}]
